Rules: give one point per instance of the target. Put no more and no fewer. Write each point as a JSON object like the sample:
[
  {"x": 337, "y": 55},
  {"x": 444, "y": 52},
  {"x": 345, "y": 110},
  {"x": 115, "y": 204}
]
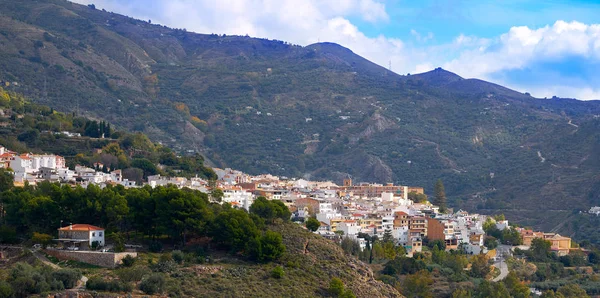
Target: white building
[
  {"x": 238, "y": 197},
  {"x": 351, "y": 228},
  {"x": 502, "y": 224},
  {"x": 81, "y": 235}
]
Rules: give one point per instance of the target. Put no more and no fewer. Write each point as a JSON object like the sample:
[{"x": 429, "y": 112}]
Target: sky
[{"x": 547, "y": 48}]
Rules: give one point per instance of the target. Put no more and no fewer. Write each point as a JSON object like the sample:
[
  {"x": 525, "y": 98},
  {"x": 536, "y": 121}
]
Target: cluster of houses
[
  {"x": 33, "y": 168},
  {"x": 352, "y": 210}
]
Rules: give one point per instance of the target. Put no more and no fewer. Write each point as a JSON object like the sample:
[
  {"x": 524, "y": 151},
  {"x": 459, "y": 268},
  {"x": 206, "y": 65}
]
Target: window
[
  {"x": 93, "y": 234},
  {"x": 100, "y": 234}
]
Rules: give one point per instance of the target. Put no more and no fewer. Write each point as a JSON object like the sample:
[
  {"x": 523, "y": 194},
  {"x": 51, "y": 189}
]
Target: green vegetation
[
  {"x": 439, "y": 198},
  {"x": 177, "y": 214},
  {"x": 221, "y": 95},
  {"x": 312, "y": 224},
  {"x": 38, "y": 129},
  {"x": 24, "y": 280}
]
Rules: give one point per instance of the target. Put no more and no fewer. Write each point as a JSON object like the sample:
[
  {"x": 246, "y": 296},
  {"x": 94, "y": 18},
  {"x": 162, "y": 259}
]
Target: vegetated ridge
[{"x": 318, "y": 111}]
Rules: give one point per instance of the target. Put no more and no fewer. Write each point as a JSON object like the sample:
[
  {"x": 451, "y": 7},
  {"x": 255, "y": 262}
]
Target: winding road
[{"x": 502, "y": 251}]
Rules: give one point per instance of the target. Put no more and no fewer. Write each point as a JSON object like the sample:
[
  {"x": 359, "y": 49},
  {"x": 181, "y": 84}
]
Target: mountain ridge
[{"x": 318, "y": 111}]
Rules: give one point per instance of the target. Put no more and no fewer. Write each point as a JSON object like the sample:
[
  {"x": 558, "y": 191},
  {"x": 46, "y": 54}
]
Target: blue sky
[{"x": 543, "y": 47}]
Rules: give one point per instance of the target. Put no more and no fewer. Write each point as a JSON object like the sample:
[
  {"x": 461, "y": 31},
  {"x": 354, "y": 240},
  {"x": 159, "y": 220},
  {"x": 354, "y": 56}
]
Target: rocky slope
[{"x": 318, "y": 111}]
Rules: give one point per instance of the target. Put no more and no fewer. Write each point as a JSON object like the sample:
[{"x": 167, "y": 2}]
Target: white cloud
[
  {"x": 419, "y": 37},
  {"x": 373, "y": 11},
  {"x": 521, "y": 46}
]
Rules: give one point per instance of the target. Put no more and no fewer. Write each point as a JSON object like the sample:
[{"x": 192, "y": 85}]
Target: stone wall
[{"x": 102, "y": 259}]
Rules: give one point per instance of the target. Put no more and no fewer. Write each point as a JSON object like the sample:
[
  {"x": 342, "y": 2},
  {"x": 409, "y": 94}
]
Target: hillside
[{"x": 319, "y": 111}]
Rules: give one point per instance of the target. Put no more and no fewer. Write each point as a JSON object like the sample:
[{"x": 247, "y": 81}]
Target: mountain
[{"x": 318, "y": 111}]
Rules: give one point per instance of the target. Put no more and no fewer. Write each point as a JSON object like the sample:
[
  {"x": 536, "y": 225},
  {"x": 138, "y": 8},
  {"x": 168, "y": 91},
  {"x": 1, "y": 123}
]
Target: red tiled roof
[{"x": 81, "y": 227}]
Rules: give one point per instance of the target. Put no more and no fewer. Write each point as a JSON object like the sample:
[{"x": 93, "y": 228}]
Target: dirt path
[
  {"x": 452, "y": 164},
  {"x": 80, "y": 284}
]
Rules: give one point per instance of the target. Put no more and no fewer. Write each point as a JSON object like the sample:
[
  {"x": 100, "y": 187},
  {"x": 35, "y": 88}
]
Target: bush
[
  {"x": 68, "y": 277},
  {"x": 272, "y": 246},
  {"x": 128, "y": 261},
  {"x": 277, "y": 272},
  {"x": 6, "y": 290},
  {"x": 313, "y": 224},
  {"x": 178, "y": 256},
  {"x": 155, "y": 247},
  {"x": 166, "y": 266},
  {"x": 153, "y": 284},
  {"x": 336, "y": 287},
  {"x": 133, "y": 274},
  {"x": 99, "y": 284}
]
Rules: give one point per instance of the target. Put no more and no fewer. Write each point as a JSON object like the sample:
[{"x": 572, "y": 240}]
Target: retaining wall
[{"x": 102, "y": 259}]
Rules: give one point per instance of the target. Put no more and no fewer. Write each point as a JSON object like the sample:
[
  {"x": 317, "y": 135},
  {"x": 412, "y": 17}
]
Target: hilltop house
[{"x": 80, "y": 235}]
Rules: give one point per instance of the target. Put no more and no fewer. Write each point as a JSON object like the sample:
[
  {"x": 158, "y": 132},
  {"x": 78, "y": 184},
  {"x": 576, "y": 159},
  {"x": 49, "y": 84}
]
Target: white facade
[
  {"x": 502, "y": 224},
  {"x": 401, "y": 235},
  {"x": 240, "y": 197},
  {"x": 97, "y": 236},
  {"x": 327, "y": 217},
  {"x": 350, "y": 228},
  {"x": 474, "y": 249},
  {"x": 65, "y": 174}
]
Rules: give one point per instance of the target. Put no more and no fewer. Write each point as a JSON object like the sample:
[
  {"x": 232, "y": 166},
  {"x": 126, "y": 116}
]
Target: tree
[
  {"x": 515, "y": 287},
  {"x": 572, "y": 291},
  {"x": 551, "y": 294},
  {"x": 417, "y": 197},
  {"x": 8, "y": 235},
  {"x": 269, "y": 210},
  {"x": 350, "y": 246},
  {"x": 216, "y": 194},
  {"x": 594, "y": 257},
  {"x": 487, "y": 289},
  {"x": 461, "y": 293},
  {"x": 540, "y": 249},
  {"x": 6, "y": 290},
  {"x": 43, "y": 239},
  {"x": 153, "y": 284},
  {"x": 479, "y": 266},
  {"x": 387, "y": 236},
  {"x": 440, "y": 196},
  {"x": 418, "y": 285},
  {"x": 440, "y": 244},
  {"x": 272, "y": 246},
  {"x": 312, "y": 224},
  {"x": 403, "y": 265},
  {"x": 118, "y": 240},
  {"x": 6, "y": 180},
  {"x": 490, "y": 242},
  {"x": 232, "y": 229}
]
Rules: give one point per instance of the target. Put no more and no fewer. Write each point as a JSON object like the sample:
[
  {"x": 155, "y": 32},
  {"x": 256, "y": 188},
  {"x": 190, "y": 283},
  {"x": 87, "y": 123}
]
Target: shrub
[
  {"x": 68, "y": 277},
  {"x": 178, "y": 256},
  {"x": 336, "y": 287},
  {"x": 133, "y": 274},
  {"x": 155, "y": 247},
  {"x": 313, "y": 224},
  {"x": 6, "y": 290},
  {"x": 272, "y": 246},
  {"x": 153, "y": 284},
  {"x": 277, "y": 272},
  {"x": 166, "y": 266},
  {"x": 128, "y": 261},
  {"x": 99, "y": 284}
]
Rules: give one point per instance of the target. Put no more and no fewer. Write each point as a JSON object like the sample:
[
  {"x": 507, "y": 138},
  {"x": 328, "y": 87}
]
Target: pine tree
[
  {"x": 440, "y": 196},
  {"x": 108, "y": 133}
]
